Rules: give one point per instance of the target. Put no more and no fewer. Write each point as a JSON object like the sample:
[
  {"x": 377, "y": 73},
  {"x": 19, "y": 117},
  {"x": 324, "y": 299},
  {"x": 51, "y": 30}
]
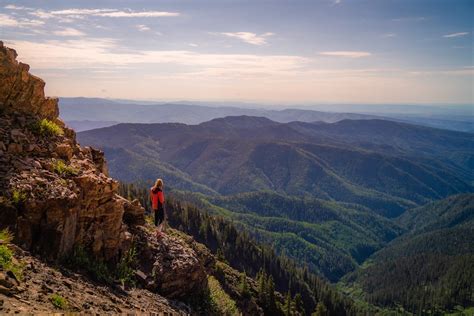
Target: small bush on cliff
[
  {"x": 7, "y": 262},
  {"x": 18, "y": 198},
  {"x": 62, "y": 169},
  {"x": 221, "y": 302},
  {"x": 46, "y": 127},
  {"x": 58, "y": 301},
  {"x": 80, "y": 259},
  {"x": 125, "y": 272}
]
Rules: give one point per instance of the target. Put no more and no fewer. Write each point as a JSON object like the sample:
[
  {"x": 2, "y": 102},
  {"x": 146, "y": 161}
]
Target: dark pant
[{"x": 159, "y": 216}]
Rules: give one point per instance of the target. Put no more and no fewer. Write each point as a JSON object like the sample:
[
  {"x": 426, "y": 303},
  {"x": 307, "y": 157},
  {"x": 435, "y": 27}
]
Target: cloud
[
  {"x": 410, "y": 19},
  {"x": 193, "y": 44},
  {"x": 456, "y": 34},
  {"x": 142, "y": 28},
  {"x": 76, "y": 13},
  {"x": 81, "y": 11},
  {"x": 389, "y": 35},
  {"x": 92, "y": 53},
  {"x": 146, "y": 14},
  {"x": 248, "y": 37},
  {"x": 464, "y": 71},
  {"x": 6, "y": 20},
  {"x": 69, "y": 31},
  {"x": 15, "y": 7},
  {"x": 9, "y": 21},
  {"x": 348, "y": 54}
]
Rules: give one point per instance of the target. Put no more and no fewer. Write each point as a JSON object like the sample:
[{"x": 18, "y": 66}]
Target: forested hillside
[
  {"x": 323, "y": 194},
  {"x": 401, "y": 167},
  {"x": 430, "y": 267},
  {"x": 236, "y": 247}
]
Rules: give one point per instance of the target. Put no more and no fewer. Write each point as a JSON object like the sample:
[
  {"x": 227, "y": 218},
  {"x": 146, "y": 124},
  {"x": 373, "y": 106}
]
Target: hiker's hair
[{"x": 158, "y": 184}]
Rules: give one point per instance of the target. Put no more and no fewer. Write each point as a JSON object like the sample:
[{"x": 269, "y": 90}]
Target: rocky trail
[{"x": 41, "y": 283}]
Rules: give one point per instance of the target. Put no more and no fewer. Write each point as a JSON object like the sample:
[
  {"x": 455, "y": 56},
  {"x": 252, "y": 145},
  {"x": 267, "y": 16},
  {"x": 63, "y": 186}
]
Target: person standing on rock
[{"x": 157, "y": 204}]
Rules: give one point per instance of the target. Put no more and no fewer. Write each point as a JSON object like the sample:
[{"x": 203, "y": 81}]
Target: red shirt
[{"x": 157, "y": 199}]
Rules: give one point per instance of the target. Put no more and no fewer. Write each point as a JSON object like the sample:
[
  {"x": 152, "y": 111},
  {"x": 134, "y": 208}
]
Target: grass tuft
[
  {"x": 6, "y": 255},
  {"x": 18, "y": 198},
  {"x": 46, "y": 127},
  {"x": 58, "y": 301},
  {"x": 62, "y": 169}
]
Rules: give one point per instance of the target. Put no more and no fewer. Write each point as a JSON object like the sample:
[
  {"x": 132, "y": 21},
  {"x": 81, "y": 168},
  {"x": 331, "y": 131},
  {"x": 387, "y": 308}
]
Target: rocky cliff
[
  {"x": 60, "y": 195},
  {"x": 56, "y": 196}
]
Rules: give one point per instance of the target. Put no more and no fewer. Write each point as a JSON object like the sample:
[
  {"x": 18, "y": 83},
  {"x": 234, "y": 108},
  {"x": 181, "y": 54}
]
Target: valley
[{"x": 329, "y": 195}]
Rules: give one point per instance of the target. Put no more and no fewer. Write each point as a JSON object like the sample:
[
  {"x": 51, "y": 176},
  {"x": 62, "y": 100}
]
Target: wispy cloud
[
  {"x": 193, "y": 44},
  {"x": 142, "y": 28},
  {"x": 389, "y": 35},
  {"x": 248, "y": 37},
  {"x": 69, "y": 31},
  {"x": 112, "y": 13},
  {"x": 456, "y": 34},
  {"x": 410, "y": 19},
  {"x": 6, "y": 20},
  {"x": 145, "y": 14},
  {"x": 9, "y": 21},
  {"x": 15, "y": 7},
  {"x": 463, "y": 71},
  {"x": 102, "y": 53},
  {"x": 347, "y": 54}
]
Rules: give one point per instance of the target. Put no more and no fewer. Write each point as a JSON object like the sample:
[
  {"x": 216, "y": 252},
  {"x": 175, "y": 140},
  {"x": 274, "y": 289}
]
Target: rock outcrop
[
  {"x": 20, "y": 91},
  {"x": 170, "y": 266},
  {"x": 57, "y": 196}
]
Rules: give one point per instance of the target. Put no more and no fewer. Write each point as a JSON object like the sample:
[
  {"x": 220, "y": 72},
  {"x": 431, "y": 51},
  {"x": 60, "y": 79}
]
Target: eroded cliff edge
[{"x": 56, "y": 196}]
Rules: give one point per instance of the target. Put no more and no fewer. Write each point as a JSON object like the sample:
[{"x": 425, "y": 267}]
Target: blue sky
[{"x": 327, "y": 51}]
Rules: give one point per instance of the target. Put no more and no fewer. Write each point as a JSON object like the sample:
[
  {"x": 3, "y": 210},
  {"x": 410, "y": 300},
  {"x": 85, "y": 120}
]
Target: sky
[{"x": 269, "y": 51}]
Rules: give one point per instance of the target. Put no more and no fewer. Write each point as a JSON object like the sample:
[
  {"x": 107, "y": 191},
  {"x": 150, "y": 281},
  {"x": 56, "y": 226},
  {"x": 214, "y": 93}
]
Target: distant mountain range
[
  {"x": 323, "y": 193},
  {"x": 89, "y": 113}
]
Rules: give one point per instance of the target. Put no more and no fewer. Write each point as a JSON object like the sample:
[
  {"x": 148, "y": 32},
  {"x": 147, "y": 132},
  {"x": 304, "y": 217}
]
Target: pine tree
[
  {"x": 244, "y": 287},
  {"x": 320, "y": 310},
  {"x": 299, "y": 304},
  {"x": 287, "y": 306}
]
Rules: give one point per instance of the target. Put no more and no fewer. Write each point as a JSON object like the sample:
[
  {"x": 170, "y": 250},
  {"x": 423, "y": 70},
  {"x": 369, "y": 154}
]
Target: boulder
[
  {"x": 172, "y": 266},
  {"x": 134, "y": 213},
  {"x": 64, "y": 151}
]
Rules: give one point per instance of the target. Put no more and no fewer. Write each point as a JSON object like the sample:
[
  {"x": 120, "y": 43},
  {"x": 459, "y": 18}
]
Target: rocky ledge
[{"x": 56, "y": 196}]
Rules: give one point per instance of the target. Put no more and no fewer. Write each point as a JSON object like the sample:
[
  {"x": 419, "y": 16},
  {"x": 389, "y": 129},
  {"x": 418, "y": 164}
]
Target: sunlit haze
[{"x": 404, "y": 51}]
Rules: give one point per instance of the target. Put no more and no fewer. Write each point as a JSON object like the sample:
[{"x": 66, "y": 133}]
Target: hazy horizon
[{"x": 303, "y": 52}]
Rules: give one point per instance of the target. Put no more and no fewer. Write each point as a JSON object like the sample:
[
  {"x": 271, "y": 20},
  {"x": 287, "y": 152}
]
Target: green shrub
[
  {"x": 18, "y": 198},
  {"x": 62, "y": 169},
  {"x": 58, "y": 301},
  {"x": 46, "y": 127},
  {"x": 221, "y": 302},
  {"x": 5, "y": 236},
  {"x": 125, "y": 271},
  {"x": 96, "y": 268},
  {"x": 6, "y": 255}
]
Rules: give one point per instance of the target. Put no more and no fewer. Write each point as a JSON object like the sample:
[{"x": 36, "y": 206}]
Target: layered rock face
[
  {"x": 20, "y": 91},
  {"x": 56, "y": 195}
]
